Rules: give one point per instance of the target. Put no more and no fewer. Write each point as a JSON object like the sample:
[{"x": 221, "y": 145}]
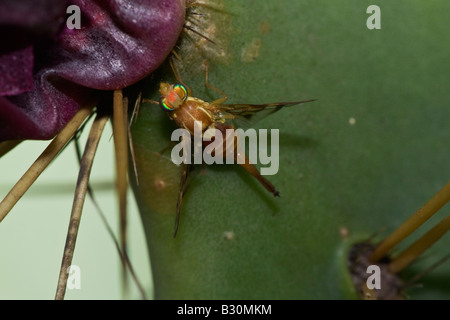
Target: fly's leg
[
  {"x": 208, "y": 85},
  {"x": 177, "y": 74},
  {"x": 137, "y": 105},
  {"x": 195, "y": 3},
  {"x": 130, "y": 138},
  {"x": 184, "y": 174},
  {"x": 169, "y": 145},
  {"x": 175, "y": 70}
]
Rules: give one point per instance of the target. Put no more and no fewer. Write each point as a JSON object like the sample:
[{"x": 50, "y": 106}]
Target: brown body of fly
[{"x": 185, "y": 110}]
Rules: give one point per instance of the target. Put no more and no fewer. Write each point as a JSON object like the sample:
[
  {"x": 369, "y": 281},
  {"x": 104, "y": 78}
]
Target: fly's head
[{"x": 172, "y": 96}]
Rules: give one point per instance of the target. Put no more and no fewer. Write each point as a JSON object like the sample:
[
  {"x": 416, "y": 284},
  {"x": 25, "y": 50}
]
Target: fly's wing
[{"x": 246, "y": 114}]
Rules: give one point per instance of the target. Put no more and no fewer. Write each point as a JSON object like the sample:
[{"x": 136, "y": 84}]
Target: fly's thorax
[{"x": 193, "y": 110}]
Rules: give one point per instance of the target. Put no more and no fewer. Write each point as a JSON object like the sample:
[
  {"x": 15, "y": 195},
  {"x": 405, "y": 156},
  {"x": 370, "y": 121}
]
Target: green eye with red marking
[
  {"x": 163, "y": 103},
  {"x": 181, "y": 91}
]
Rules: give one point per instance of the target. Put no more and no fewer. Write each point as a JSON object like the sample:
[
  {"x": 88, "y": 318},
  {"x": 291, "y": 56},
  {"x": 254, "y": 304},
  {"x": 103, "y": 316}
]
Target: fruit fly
[{"x": 185, "y": 109}]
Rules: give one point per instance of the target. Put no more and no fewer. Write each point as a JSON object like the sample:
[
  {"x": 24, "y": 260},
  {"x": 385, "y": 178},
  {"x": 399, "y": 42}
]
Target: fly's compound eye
[
  {"x": 164, "y": 105},
  {"x": 181, "y": 91}
]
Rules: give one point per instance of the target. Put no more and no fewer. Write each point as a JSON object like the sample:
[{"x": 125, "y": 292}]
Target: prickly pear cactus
[{"x": 362, "y": 158}]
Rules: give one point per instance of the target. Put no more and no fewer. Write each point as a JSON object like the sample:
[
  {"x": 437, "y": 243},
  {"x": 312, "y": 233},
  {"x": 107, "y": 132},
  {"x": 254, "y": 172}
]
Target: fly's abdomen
[
  {"x": 227, "y": 139},
  {"x": 230, "y": 148}
]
